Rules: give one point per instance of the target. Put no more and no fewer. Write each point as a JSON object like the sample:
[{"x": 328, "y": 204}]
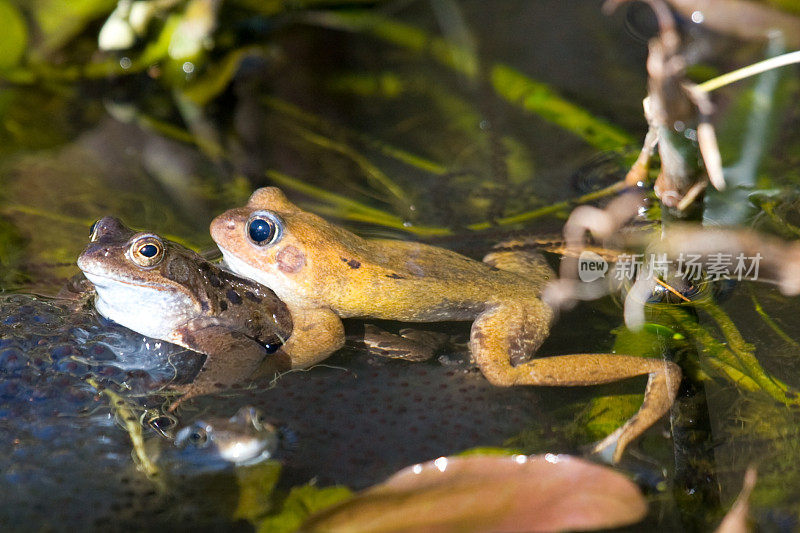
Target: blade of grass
[
  {"x": 388, "y": 150},
  {"x": 351, "y": 209},
  {"x": 508, "y": 83},
  {"x": 373, "y": 173}
]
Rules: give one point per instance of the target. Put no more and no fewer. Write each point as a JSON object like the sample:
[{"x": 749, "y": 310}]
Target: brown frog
[
  {"x": 325, "y": 273},
  {"x": 162, "y": 290}
]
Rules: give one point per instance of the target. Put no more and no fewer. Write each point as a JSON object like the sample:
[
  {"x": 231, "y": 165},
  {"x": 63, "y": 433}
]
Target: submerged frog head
[
  {"x": 243, "y": 439},
  {"x": 274, "y": 242},
  {"x": 153, "y": 286}
]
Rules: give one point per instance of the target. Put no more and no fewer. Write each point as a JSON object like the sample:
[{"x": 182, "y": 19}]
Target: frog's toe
[
  {"x": 607, "y": 449},
  {"x": 192, "y": 390}
]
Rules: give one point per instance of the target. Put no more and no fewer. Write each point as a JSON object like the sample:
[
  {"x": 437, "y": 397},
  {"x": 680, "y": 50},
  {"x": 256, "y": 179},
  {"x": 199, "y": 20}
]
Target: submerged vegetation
[{"x": 454, "y": 123}]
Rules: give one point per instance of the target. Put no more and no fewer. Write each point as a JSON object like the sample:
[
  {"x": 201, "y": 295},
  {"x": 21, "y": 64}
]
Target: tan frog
[
  {"x": 325, "y": 273},
  {"x": 162, "y": 290}
]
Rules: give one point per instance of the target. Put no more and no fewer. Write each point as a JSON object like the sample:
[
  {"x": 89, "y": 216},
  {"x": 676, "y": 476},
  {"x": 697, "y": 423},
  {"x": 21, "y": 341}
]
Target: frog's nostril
[{"x": 231, "y": 225}]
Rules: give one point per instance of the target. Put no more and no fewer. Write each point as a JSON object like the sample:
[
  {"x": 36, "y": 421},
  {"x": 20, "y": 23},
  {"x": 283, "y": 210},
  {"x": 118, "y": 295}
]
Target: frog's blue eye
[
  {"x": 264, "y": 228},
  {"x": 148, "y": 250}
]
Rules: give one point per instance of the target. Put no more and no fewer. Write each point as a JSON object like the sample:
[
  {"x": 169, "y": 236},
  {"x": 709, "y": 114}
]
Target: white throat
[
  {"x": 150, "y": 311},
  {"x": 284, "y": 290}
]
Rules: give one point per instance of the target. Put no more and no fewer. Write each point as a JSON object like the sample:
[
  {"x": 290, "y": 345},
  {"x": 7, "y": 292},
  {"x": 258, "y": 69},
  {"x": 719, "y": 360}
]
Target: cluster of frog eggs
[
  {"x": 48, "y": 351},
  {"x": 63, "y": 458}
]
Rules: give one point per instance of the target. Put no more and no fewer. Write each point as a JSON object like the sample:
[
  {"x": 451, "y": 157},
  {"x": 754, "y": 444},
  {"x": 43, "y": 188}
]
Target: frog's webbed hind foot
[
  {"x": 664, "y": 378},
  {"x": 497, "y": 337},
  {"x": 410, "y": 344}
]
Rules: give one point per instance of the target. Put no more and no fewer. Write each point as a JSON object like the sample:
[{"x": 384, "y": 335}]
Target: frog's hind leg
[{"x": 501, "y": 335}]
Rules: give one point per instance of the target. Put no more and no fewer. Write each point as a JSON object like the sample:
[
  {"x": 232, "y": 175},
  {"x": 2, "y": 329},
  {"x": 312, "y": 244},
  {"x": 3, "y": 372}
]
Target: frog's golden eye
[
  {"x": 194, "y": 436},
  {"x": 93, "y": 231},
  {"x": 198, "y": 437},
  {"x": 161, "y": 423},
  {"x": 264, "y": 228},
  {"x": 147, "y": 251}
]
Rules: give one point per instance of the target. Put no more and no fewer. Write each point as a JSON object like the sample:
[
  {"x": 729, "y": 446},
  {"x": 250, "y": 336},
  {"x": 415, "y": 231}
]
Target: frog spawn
[
  {"x": 66, "y": 463},
  {"x": 359, "y": 418},
  {"x": 64, "y": 460}
]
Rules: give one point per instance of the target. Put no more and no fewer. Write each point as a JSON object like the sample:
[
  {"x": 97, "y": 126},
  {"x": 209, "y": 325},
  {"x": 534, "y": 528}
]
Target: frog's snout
[
  {"x": 223, "y": 227},
  {"x": 93, "y": 250}
]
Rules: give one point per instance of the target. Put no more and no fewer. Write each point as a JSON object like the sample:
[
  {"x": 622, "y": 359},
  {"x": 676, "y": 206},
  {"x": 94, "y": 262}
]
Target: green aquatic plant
[
  {"x": 125, "y": 415},
  {"x": 318, "y": 123},
  {"x": 508, "y": 83},
  {"x": 14, "y": 39},
  {"x": 301, "y": 502},
  {"x": 732, "y": 358}
]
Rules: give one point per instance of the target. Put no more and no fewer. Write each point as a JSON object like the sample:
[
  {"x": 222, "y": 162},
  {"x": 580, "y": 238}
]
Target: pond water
[{"x": 412, "y": 120}]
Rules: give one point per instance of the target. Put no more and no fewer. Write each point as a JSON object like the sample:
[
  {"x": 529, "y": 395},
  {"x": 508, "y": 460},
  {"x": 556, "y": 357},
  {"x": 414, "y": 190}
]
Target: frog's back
[{"x": 411, "y": 281}]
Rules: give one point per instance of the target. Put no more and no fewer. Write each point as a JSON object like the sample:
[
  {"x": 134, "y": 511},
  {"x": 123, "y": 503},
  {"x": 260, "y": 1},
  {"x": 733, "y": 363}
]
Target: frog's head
[
  {"x": 274, "y": 242},
  {"x": 119, "y": 254},
  {"x": 141, "y": 279},
  {"x": 243, "y": 439}
]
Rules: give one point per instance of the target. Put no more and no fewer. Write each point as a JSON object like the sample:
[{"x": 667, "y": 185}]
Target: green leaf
[
  {"x": 60, "y": 21},
  {"x": 650, "y": 341},
  {"x": 256, "y": 484},
  {"x": 488, "y": 450},
  {"x": 301, "y": 503},
  {"x": 14, "y": 37},
  {"x": 605, "y": 414},
  {"x": 217, "y": 78}
]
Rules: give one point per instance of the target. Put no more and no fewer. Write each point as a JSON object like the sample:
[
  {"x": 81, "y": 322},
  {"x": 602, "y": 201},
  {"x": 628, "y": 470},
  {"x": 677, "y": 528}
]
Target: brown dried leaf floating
[{"x": 491, "y": 493}]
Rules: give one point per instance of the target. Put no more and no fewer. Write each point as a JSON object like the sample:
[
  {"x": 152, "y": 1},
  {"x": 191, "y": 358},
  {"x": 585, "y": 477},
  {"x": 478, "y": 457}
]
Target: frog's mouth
[
  {"x": 244, "y": 451},
  {"x": 102, "y": 281},
  {"x": 243, "y": 268}
]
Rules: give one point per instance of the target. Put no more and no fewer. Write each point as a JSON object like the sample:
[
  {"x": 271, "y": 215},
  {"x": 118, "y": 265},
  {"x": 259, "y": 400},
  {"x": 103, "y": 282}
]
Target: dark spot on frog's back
[
  {"x": 252, "y": 297},
  {"x": 223, "y": 305},
  {"x": 233, "y": 297},
  {"x": 352, "y": 263},
  {"x": 395, "y": 276},
  {"x": 290, "y": 259},
  {"x": 214, "y": 280},
  {"x": 210, "y": 274}
]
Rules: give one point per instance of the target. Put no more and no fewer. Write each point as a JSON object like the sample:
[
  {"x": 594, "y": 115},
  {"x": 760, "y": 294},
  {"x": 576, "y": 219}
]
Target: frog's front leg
[
  {"x": 232, "y": 358},
  {"x": 513, "y": 331},
  {"x": 316, "y": 334}
]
